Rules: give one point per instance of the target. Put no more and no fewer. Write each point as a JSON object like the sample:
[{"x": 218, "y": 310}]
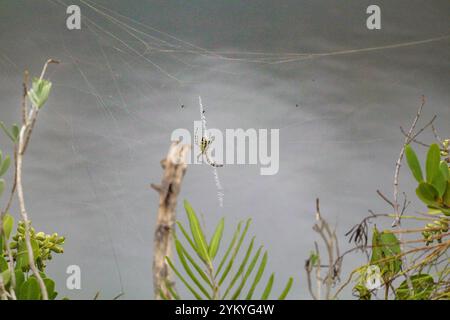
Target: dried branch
[
  {"x": 398, "y": 164},
  {"x": 333, "y": 267},
  {"x": 174, "y": 166}
]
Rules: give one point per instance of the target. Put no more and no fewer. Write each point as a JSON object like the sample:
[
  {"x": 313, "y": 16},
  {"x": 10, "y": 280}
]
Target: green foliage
[
  {"x": 422, "y": 285},
  {"x": 4, "y": 165},
  {"x": 413, "y": 163},
  {"x": 40, "y": 90},
  {"x": 26, "y": 286},
  {"x": 234, "y": 278},
  {"x": 43, "y": 247},
  {"x": 386, "y": 253},
  {"x": 14, "y": 259},
  {"x": 12, "y": 134},
  {"x": 435, "y": 191}
]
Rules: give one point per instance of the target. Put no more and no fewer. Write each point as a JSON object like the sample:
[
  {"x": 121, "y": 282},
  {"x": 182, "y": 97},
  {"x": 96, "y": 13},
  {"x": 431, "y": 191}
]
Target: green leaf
[
  {"x": 22, "y": 254},
  {"x": 197, "y": 267},
  {"x": 3, "y": 264},
  {"x": 444, "y": 170},
  {"x": 50, "y": 285},
  {"x": 188, "y": 270},
  {"x": 186, "y": 235},
  {"x": 20, "y": 279},
  {"x": 235, "y": 252},
  {"x": 230, "y": 247},
  {"x": 30, "y": 290},
  {"x": 268, "y": 288},
  {"x": 439, "y": 182},
  {"x": 5, "y": 165},
  {"x": 377, "y": 253},
  {"x": 258, "y": 277},
  {"x": 197, "y": 234},
  {"x": 6, "y": 277},
  {"x": 433, "y": 160},
  {"x": 427, "y": 193},
  {"x": 385, "y": 251},
  {"x": 40, "y": 90},
  {"x": 172, "y": 291},
  {"x": 423, "y": 286},
  {"x": 240, "y": 269},
  {"x": 247, "y": 274},
  {"x": 163, "y": 295},
  {"x": 215, "y": 239},
  {"x": 2, "y": 186},
  {"x": 446, "y": 197},
  {"x": 9, "y": 134},
  {"x": 8, "y": 224},
  {"x": 15, "y": 131},
  {"x": 192, "y": 290},
  {"x": 413, "y": 163},
  {"x": 286, "y": 290}
]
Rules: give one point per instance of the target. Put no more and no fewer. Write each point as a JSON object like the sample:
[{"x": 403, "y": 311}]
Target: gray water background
[{"x": 98, "y": 142}]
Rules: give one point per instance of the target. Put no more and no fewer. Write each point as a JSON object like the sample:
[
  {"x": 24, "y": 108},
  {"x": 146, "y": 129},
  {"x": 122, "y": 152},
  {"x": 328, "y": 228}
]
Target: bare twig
[
  {"x": 398, "y": 164},
  {"x": 333, "y": 267},
  {"x": 174, "y": 166}
]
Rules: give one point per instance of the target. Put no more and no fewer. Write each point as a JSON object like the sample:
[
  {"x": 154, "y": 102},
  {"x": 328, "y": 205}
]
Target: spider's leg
[{"x": 199, "y": 156}]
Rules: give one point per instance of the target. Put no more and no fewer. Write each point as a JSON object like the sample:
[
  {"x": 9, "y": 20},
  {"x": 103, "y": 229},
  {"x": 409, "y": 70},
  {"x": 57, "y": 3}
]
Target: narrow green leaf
[
  {"x": 163, "y": 295},
  {"x": 2, "y": 186},
  {"x": 286, "y": 289},
  {"x": 413, "y": 163},
  {"x": 445, "y": 170},
  {"x": 186, "y": 235},
  {"x": 192, "y": 290},
  {"x": 197, "y": 267},
  {"x": 5, "y": 165},
  {"x": 8, "y": 224},
  {"x": 15, "y": 131},
  {"x": 258, "y": 277},
  {"x": 197, "y": 233},
  {"x": 215, "y": 239},
  {"x": 188, "y": 270},
  {"x": 240, "y": 269},
  {"x": 235, "y": 252},
  {"x": 2, "y": 125},
  {"x": 172, "y": 291},
  {"x": 250, "y": 268},
  {"x": 433, "y": 160},
  {"x": 268, "y": 288},
  {"x": 230, "y": 247}
]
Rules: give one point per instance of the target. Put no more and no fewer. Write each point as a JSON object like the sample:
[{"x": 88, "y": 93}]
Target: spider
[{"x": 204, "y": 145}]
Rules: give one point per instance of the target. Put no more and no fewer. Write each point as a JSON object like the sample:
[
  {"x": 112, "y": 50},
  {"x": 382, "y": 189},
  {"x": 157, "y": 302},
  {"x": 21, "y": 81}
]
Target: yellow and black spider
[{"x": 204, "y": 145}]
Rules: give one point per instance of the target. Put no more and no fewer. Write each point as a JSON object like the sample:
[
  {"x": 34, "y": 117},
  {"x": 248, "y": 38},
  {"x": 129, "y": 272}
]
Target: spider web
[{"x": 122, "y": 44}]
